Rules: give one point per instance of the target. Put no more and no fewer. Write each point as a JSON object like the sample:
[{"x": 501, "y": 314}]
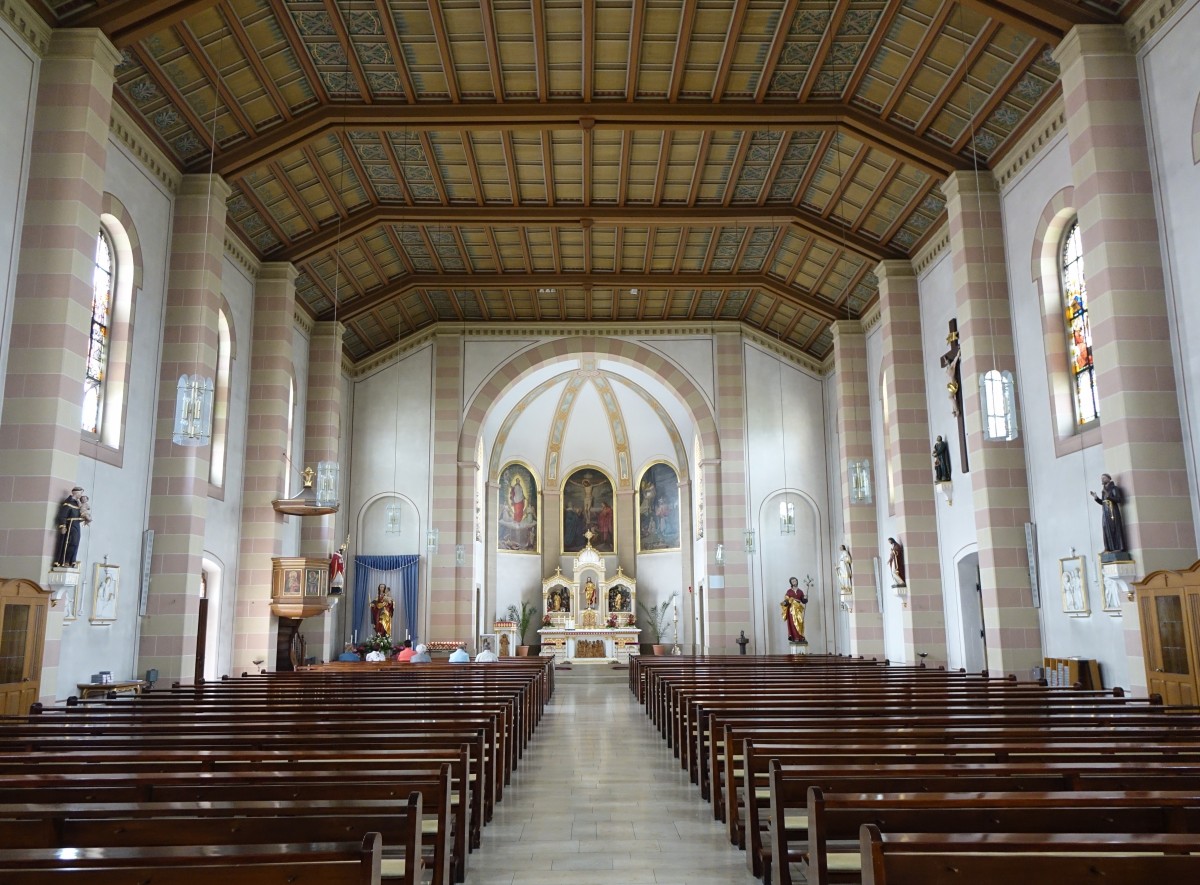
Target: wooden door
[
  {"x": 1170, "y": 617},
  {"x": 22, "y": 634}
]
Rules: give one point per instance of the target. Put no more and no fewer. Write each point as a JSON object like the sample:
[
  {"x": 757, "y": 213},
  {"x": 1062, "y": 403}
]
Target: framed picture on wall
[
  {"x": 104, "y": 593},
  {"x": 1072, "y": 579}
]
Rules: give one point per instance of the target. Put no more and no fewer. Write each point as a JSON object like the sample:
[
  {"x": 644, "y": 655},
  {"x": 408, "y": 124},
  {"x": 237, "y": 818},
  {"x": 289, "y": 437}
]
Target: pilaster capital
[
  {"x": 844, "y": 329},
  {"x": 893, "y": 269},
  {"x": 1091, "y": 40},
  {"x": 199, "y": 184},
  {"x": 331, "y": 328},
  {"x": 89, "y": 44},
  {"x": 967, "y": 181},
  {"x": 277, "y": 272}
]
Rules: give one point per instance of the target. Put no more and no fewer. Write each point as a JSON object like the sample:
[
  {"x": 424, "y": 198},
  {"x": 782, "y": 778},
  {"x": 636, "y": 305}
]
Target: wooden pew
[
  {"x": 159, "y": 824},
  {"x": 831, "y": 852},
  {"x": 336, "y": 863},
  {"x": 1049, "y": 859}
]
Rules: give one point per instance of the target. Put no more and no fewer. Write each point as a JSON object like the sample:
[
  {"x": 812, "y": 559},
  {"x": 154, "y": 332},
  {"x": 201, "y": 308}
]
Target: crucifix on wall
[{"x": 950, "y": 362}]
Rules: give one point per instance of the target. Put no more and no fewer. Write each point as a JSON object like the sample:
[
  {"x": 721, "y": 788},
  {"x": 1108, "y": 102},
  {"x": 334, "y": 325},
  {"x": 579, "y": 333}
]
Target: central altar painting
[{"x": 587, "y": 505}]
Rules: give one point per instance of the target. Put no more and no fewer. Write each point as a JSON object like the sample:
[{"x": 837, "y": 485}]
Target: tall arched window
[
  {"x": 104, "y": 284},
  {"x": 216, "y": 464},
  {"x": 1079, "y": 329}
]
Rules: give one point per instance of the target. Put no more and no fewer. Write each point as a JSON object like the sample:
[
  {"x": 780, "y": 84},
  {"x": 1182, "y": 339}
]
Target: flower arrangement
[
  {"x": 547, "y": 621},
  {"x": 612, "y": 622},
  {"x": 379, "y": 642}
]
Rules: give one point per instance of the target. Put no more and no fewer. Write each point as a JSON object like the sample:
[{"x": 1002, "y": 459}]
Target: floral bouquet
[
  {"x": 612, "y": 622},
  {"x": 380, "y": 642},
  {"x": 546, "y": 621}
]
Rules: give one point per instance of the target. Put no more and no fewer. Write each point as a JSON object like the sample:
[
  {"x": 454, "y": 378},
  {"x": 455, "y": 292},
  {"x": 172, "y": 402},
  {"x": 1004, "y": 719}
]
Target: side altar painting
[
  {"x": 587, "y": 502},
  {"x": 658, "y": 509},
  {"x": 517, "y": 509}
]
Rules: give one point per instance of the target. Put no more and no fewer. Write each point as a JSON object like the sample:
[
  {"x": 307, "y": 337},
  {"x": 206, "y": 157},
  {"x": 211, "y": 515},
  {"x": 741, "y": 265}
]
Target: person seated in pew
[
  {"x": 349, "y": 654},
  {"x": 459, "y": 655},
  {"x": 486, "y": 656},
  {"x": 421, "y": 655},
  {"x": 406, "y": 651}
]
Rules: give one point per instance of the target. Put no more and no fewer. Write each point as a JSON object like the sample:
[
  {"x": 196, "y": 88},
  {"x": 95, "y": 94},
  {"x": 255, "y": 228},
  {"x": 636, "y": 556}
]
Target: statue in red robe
[{"x": 792, "y": 609}]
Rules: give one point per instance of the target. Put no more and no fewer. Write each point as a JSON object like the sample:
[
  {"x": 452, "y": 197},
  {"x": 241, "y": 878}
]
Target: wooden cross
[{"x": 950, "y": 363}]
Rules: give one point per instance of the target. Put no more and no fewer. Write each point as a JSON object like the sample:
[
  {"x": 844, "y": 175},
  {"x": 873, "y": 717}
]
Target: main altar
[{"x": 589, "y": 616}]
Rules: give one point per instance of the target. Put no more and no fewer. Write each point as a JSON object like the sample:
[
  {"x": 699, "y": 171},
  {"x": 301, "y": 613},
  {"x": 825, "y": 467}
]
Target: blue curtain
[{"x": 367, "y": 574}]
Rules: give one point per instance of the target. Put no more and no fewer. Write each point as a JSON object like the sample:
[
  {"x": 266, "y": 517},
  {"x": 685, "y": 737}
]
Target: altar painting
[
  {"x": 658, "y": 509},
  {"x": 517, "y": 516},
  {"x": 587, "y": 502}
]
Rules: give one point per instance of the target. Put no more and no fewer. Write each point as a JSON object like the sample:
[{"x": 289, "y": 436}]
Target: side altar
[{"x": 590, "y": 616}]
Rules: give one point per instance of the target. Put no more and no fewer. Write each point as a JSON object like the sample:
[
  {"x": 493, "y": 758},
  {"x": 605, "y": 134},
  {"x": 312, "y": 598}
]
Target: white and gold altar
[{"x": 591, "y": 616}]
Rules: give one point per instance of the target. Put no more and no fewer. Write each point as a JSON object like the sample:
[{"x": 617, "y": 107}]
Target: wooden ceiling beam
[
  {"x": 495, "y": 68},
  {"x": 434, "y": 172},
  {"x": 384, "y": 9},
  {"x": 352, "y": 59},
  {"x": 634, "y": 61},
  {"x": 541, "y": 58},
  {"x": 209, "y": 69},
  {"x": 260, "y": 71},
  {"x": 780, "y": 152},
  {"x": 648, "y": 252},
  {"x": 359, "y": 172},
  {"x": 623, "y": 173},
  {"x": 260, "y": 207},
  {"x": 873, "y": 43},
  {"x": 615, "y": 281},
  {"x": 587, "y": 30},
  {"x": 293, "y": 195},
  {"x": 398, "y": 248},
  {"x": 858, "y": 277},
  {"x": 813, "y": 167},
  {"x": 844, "y": 181},
  {"x": 683, "y": 39},
  {"x": 732, "y": 35},
  {"x": 169, "y": 89},
  {"x": 1047, "y": 21},
  {"x": 702, "y": 152},
  {"x": 369, "y": 257},
  {"x": 397, "y": 170},
  {"x": 359, "y": 220},
  {"x": 877, "y": 194},
  {"x": 1003, "y": 88},
  {"x": 918, "y": 57},
  {"x": 588, "y": 160},
  {"x": 472, "y": 166},
  {"x": 660, "y": 174},
  {"x": 981, "y": 42},
  {"x": 735, "y": 168},
  {"x": 444, "y": 55},
  {"x": 128, "y": 21},
  {"x": 300, "y": 52},
  {"x": 546, "y": 139},
  {"x": 335, "y": 200},
  {"x": 903, "y": 215},
  {"x": 680, "y": 247},
  {"x": 510, "y": 162},
  {"x": 814, "y": 67},
  {"x": 801, "y": 259},
  {"x": 654, "y": 116},
  {"x": 782, "y": 26}
]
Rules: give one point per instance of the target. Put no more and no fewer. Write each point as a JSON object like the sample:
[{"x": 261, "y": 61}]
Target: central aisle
[{"x": 599, "y": 798}]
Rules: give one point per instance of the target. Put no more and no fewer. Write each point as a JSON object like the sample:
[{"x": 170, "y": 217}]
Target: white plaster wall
[
  {"x": 223, "y": 522},
  {"x": 694, "y": 355},
  {"x": 785, "y": 451},
  {"x": 1067, "y": 520},
  {"x": 120, "y": 495},
  {"x": 893, "y": 609},
  {"x": 837, "y": 521},
  {"x": 1170, "y": 69},
  {"x": 390, "y": 452},
  {"x": 18, "y": 87},
  {"x": 955, "y": 522},
  {"x": 482, "y": 357}
]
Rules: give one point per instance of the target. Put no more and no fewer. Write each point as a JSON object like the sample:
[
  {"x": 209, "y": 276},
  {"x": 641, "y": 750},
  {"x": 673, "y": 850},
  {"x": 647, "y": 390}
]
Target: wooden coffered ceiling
[{"x": 541, "y": 161}]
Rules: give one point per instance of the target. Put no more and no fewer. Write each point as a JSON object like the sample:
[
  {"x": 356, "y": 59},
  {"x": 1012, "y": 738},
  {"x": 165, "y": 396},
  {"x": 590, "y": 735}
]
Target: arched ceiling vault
[{"x": 427, "y": 161}]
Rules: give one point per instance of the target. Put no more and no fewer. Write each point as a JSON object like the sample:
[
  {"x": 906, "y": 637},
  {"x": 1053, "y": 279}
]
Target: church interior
[{"x": 618, "y": 336}]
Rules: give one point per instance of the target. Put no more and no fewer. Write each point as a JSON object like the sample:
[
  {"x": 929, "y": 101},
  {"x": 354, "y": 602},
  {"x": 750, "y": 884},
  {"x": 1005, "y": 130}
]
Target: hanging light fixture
[
  {"x": 858, "y": 470},
  {"x": 748, "y": 540},
  {"x": 787, "y": 510},
  {"x": 393, "y": 510}
]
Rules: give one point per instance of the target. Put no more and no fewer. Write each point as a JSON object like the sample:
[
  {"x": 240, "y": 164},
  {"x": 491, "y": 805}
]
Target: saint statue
[
  {"x": 845, "y": 571},
  {"x": 792, "y": 610},
  {"x": 896, "y": 563},
  {"x": 69, "y": 521},
  {"x": 1110, "y": 498},
  {"x": 941, "y": 461},
  {"x": 589, "y": 593},
  {"x": 382, "y": 609},
  {"x": 337, "y": 567}
]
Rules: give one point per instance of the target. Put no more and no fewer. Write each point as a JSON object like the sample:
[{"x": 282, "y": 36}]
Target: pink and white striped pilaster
[
  {"x": 179, "y": 483},
  {"x": 52, "y": 304},
  {"x": 452, "y": 499},
  {"x": 998, "y": 476},
  {"x": 271, "y": 372},
  {"x": 861, "y": 531},
  {"x": 322, "y": 428},
  {"x": 729, "y": 610},
  {"x": 908, "y": 447},
  {"x": 1139, "y": 406}
]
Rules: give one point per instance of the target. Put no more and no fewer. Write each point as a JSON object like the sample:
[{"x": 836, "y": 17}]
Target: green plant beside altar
[
  {"x": 654, "y": 621},
  {"x": 522, "y": 617}
]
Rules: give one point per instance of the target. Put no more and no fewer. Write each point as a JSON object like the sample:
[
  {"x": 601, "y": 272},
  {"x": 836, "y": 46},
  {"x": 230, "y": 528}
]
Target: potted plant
[
  {"x": 655, "y": 622},
  {"x": 522, "y": 617}
]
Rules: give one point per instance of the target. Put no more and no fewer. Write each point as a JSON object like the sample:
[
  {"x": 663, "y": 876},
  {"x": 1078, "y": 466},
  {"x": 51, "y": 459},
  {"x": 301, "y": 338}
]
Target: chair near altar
[{"x": 591, "y": 616}]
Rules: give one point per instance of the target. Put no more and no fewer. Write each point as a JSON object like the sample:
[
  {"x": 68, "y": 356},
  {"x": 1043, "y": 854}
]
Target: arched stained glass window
[
  {"x": 1079, "y": 330},
  {"x": 103, "y": 286}
]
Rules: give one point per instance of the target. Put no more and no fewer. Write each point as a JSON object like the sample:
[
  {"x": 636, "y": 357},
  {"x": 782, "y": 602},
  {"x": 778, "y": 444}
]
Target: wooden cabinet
[
  {"x": 22, "y": 635},
  {"x": 1169, "y": 608}
]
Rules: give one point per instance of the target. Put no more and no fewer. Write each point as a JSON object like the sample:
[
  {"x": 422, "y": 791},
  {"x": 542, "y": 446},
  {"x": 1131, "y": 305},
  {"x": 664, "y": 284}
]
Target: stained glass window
[
  {"x": 1079, "y": 330},
  {"x": 103, "y": 286}
]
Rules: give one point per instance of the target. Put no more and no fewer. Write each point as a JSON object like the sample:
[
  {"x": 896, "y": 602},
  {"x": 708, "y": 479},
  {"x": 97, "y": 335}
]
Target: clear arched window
[
  {"x": 216, "y": 464},
  {"x": 1078, "y": 328},
  {"x": 104, "y": 283}
]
